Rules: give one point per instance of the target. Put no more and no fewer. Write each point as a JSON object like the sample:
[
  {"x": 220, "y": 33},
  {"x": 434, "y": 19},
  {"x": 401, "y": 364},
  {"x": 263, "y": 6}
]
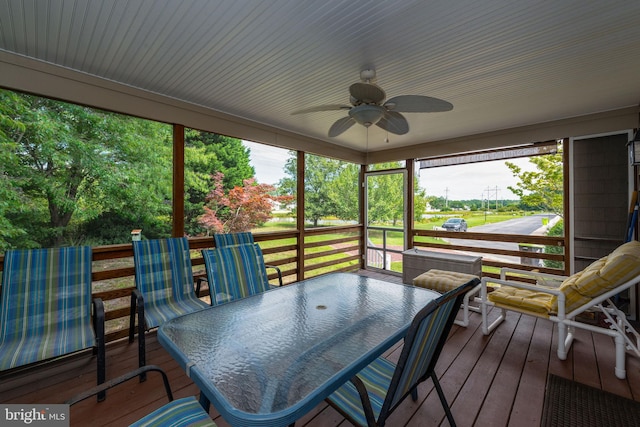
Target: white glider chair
[{"x": 561, "y": 299}]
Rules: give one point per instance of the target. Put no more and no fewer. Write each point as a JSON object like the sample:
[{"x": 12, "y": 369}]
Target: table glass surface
[{"x": 290, "y": 347}]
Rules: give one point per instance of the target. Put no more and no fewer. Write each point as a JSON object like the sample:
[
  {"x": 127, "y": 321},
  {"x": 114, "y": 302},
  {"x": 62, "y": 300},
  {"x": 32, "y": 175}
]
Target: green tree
[
  {"x": 71, "y": 164},
  {"x": 557, "y": 230},
  {"x": 9, "y": 190},
  {"x": 319, "y": 173},
  {"x": 542, "y": 188},
  {"x": 343, "y": 191},
  {"x": 420, "y": 200},
  {"x": 385, "y": 199},
  {"x": 386, "y": 196},
  {"x": 206, "y": 154}
]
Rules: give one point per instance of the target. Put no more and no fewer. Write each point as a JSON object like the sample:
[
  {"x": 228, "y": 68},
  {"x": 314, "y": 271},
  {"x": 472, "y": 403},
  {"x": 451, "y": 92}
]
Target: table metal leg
[{"x": 204, "y": 402}]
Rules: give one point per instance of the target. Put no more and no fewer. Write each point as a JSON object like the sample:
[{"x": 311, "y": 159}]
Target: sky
[{"x": 461, "y": 182}]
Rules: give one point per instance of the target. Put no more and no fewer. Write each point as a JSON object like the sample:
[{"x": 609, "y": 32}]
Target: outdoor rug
[{"x": 568, "y": 403}]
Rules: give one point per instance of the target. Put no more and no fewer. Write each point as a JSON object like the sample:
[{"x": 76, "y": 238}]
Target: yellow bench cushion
[{"x": 441, "y": 280}]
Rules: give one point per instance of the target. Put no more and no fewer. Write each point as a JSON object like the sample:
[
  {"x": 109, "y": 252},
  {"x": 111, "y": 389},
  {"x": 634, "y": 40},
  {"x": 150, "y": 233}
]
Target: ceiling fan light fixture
[{"x": 367, "y": 115}]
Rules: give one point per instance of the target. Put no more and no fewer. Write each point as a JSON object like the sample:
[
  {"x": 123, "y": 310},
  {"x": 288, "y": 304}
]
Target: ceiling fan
[{"x": 367, "y": 107}]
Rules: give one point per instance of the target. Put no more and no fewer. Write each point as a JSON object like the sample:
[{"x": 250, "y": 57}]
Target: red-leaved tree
[{"x": 241, "y": 209}]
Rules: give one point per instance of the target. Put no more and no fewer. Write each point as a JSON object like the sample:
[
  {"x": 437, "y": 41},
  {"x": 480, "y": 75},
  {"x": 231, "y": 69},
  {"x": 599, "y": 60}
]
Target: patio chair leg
[
  {"x": 484, "y": 305},
  {"x": 443, "y": 399},
  {"x": 621, "y": 371},
  {"x": 137, "y": 308},
  {"x": 98, "y": 327},
  {"x": 486, "y": 327},
  {"x": 565, "y": 338}
]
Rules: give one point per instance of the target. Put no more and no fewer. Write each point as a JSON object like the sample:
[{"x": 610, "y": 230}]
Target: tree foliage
[
  {"x": 330, "y": 186},
  {"x": 69, "y": 164},
  {"x": 385, "y": 198},
  {"x": 239, "y": 209},
  {"x": 331, "y": 189},
  {"x": 205, "y": 154},
  {"x": 71, "y": 174},
  {"x": 542, "y": 188}
]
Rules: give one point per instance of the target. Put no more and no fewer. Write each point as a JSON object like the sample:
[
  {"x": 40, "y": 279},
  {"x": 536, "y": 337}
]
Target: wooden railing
[
  {"x": 345, "y": 253},
  {"x": 326, "y": 249},
  {"x": 486, "y": 248}
]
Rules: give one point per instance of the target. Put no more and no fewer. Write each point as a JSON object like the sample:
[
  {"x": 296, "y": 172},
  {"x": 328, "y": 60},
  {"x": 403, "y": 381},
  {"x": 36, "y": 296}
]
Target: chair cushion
[
  {"x": 164, "y": 277},
  {"x": 177, "y": 413},
  {"x": 45, "y": 310},
  {"x": 441, "y": 280},
  {"x": 230, "y": 239},
  {"x": 524, "y": 299},
  {"x": 621, "y": 265},
  {"x": 235, "y": 272},
  {"x": 605, "y": 274}
]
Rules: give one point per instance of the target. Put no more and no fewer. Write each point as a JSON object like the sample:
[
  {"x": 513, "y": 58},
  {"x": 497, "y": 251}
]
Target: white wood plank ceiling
[{"x": 502, "y": 64}]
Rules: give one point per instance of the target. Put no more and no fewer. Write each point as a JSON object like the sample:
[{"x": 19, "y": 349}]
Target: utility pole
[
  {"x": 491, "y": 193},
  {"x": 446, "y": 197}
]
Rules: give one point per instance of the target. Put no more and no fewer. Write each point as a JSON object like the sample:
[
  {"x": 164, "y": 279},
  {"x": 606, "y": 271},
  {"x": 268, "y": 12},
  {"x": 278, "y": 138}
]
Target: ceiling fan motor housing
[{"x": 367, "y": 114}]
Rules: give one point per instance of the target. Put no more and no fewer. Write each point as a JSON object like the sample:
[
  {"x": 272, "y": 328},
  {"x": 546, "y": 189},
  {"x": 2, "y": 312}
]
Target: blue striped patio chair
[
  {"x": 235, "y": 272},
  {"x": 177, "y": 413},
  {"x": 376, "y": 391},
  {"x": 46, "y": 307},
  {"x": 232, "y": 239},
  {"x": 164, "y": 286}
]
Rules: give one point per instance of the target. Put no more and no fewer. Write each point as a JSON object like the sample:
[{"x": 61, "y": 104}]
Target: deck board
[{"x": 496, "y": 380}]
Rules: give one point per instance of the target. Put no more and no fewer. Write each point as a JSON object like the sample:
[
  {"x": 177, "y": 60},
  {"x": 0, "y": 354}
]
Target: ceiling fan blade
[
  {"x": 367, "y": 93},
  {"x": 417, "y": 104},
  {"x": 394, "y": 122},
  {"x": 331, "y": 107},
  {"x": 341, "y": 125}
]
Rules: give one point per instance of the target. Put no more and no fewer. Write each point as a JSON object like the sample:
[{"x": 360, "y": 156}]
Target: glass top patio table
[{"x": 270, "y": 358}]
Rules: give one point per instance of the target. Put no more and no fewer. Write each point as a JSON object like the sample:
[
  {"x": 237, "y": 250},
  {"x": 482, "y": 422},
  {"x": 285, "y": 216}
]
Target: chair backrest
[
  {"x": 229, "y": 239},
  {"x": 163, "y": 271},
  {"x": 45, "y": 309},
  {"x": 235, "y": 272},
  {"x": 423, "y": 343}
]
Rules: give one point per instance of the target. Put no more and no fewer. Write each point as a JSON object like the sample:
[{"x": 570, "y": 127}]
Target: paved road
[{"x": 525, "y": 225}]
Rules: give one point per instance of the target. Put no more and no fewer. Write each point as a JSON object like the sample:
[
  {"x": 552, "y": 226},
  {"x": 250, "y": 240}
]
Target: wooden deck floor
[{"x": 496, "y": 380}]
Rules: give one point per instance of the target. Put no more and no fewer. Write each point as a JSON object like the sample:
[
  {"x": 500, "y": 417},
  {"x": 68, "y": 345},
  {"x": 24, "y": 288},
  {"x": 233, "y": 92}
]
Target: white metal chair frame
[{"x": 625, "y": 336}]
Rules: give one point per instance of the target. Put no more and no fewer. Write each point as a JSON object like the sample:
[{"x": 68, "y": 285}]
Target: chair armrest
[
  {"x": 278, "y": 271},
  {"x": 137, "y": 307},
  {"x": 520, "y": 285},
  {"x": 531, "y": 274},
  {"x": 119, "y": 380},
  {"x": 98, "y": 320},
  {"x": 364, "y": 398}
]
